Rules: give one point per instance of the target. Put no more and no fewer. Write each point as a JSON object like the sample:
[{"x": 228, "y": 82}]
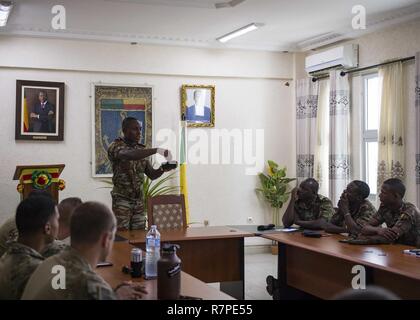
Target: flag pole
[{"x": 183, "y": 166}]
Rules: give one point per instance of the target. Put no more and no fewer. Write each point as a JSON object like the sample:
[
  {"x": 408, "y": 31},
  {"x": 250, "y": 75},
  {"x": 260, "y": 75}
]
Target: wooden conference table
[
  {"x": 322, "y": 267},
  {"x": 211, "y": 254},
  {"x": 190, "y": 286}
]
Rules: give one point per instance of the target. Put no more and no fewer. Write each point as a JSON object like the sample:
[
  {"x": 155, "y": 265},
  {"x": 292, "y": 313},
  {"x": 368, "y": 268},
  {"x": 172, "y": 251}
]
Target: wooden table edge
[
  {"x": 234, "y": 234},
  {"x": 343, "y": 256}
]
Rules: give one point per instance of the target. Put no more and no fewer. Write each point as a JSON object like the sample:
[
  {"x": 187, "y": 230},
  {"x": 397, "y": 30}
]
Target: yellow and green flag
[{"x": 183, "y": 166}]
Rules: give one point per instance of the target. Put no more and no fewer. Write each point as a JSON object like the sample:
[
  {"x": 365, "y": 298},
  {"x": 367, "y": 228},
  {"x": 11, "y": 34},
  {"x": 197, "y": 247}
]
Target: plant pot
[{"x": 274, "y": 248}]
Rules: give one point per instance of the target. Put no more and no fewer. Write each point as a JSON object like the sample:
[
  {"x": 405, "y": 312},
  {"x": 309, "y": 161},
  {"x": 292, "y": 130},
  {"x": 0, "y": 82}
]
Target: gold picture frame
[
  {"x": 111, "y": 104},
  {"x": 39, "y": 118},
  {"x": 202, "y": 96}
]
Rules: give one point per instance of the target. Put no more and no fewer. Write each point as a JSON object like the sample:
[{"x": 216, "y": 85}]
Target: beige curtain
[
  {"x": 339, "y": 150},
  {"x": 391, "y": 161},
  {"x": 306, "y": 113},
  {"x": 322, "y": 138}
]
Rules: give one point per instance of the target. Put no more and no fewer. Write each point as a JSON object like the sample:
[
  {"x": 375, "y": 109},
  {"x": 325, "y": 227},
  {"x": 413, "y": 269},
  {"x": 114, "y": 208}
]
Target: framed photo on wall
[
  {"x": 39, "y": 110},
  {"x": 111, "y": 104},
  {"x": 197, "y": 105}
]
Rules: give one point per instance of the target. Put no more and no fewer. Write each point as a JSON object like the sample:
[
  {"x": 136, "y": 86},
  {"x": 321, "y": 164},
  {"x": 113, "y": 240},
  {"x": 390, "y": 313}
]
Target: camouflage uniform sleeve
[
  {"x": 114, "y": 149},
  {"x": 366, "y": 212},
  {"x": 326, "y": 209},
  {"x": 8, "y": 233},
  {"x": 337, "y": 219},
  {"x": 377, "y": 218},
  {"x": 98, "y": 289},
  {"x": 22, "y": 273},
  {"x": 405, "y": 222},
  {"x": 297, "y": 210}
]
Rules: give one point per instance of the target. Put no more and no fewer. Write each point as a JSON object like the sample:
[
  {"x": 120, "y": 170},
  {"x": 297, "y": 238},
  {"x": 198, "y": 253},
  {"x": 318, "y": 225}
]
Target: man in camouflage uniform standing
[
  {"x": 307, "y": 208},
  {"x": 402, "y": 218},
  {"x": 37, "y": 224},
  {"x": 93, "y": 228},
  {"x": 129, "y": 165},
  {"x": 354, "y": 210}
]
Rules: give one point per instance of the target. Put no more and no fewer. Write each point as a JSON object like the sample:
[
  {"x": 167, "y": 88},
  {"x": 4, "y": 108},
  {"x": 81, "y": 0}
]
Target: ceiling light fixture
[
  {"x": 5, "y": 8},
  {"x": 229, "y": 4},
  {"x": 239, "y": 32}
]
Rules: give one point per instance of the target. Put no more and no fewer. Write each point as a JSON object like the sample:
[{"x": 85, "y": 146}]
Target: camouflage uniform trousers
[{"x": 129, "y": 213}]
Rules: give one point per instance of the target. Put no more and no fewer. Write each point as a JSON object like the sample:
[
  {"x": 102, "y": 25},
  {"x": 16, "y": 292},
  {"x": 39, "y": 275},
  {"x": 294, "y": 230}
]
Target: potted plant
[
  {"x": 275, "y": 189},
  {"x": 153, "y": 188}
]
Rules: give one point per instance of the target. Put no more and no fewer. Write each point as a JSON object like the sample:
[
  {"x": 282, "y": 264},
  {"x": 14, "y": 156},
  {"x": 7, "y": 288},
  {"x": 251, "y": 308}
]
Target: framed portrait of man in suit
[
  {"x": 197, "y": 105},
  {"x": 39, "y": 110}
]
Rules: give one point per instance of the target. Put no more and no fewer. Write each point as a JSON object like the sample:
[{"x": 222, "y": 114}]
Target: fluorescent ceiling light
[
  {"x": 5, "y": 8},
  {"x": 239, "y": 32},
  {"x": 229, "y": 4}
]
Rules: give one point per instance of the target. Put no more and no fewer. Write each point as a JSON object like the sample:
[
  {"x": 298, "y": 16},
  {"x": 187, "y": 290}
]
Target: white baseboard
[{"x": 256, "y": 249}]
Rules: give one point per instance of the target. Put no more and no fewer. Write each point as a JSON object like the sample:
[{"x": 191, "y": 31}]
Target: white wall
[{"x": 250, "y": 93}]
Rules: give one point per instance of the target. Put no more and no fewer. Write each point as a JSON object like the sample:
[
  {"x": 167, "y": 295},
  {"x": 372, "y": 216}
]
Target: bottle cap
[{"x": 168, "y": 247}]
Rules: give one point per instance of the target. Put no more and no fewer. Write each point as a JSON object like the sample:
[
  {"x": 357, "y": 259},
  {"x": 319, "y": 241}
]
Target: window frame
[{"x": 367, "y": 135}]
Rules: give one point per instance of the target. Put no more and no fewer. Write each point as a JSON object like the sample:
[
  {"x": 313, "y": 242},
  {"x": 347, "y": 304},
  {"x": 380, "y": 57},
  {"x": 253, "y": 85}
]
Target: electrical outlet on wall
[{"x": 250, "y": 220}]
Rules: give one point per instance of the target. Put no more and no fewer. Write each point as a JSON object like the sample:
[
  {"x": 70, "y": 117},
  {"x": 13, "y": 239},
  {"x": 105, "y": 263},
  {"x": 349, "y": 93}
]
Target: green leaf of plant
[
  {"x": 275, "y": 188},
  {"x": 282, "y": 173},
  {"x": 162, "y": 181},
  {"x": 272, "y": 164},
  {"x": 164, "y": 190}
]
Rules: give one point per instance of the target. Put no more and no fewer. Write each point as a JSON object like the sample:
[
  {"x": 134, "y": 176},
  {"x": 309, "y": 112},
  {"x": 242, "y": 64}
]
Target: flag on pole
[
  {"x": 25, "y": 115},
  {"x": 183, "y": 166}
]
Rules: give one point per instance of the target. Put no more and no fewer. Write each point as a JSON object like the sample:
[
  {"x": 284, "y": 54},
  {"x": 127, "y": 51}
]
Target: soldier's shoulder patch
[
  {"x": 405, "y": 216},
  {"x": 409, "y": 211}
]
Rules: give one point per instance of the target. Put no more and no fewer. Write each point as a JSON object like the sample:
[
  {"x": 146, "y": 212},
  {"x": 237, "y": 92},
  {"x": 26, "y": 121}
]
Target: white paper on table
[{"x": 287, "y": 229}]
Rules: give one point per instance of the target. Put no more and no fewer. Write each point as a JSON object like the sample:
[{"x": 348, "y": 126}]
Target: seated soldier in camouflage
[
  {"x": 402, "y": 218},
  {"x": 65, "y": 208},
  {"x": 92, "y": 230},
  {"x": 354, "y": 210},
  {"x": 307, "y": 208},
  {"x": 9, "y": 233},
  {"x": 37, "y": 224}
]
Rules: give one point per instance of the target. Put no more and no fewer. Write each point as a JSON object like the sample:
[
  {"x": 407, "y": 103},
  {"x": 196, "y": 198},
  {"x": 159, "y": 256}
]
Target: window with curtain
[{"x": 370, "y": 127}]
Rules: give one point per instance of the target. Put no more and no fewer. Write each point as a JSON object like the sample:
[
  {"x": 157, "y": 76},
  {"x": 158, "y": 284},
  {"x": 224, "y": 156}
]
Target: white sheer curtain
[
  {"x": 417, "y": 92},
  {"x": 339, "y": 151},
  {"x": 322, "y": 141},
  {"x": 306, "y": 113},
  {"x": 391, "y": 148}
]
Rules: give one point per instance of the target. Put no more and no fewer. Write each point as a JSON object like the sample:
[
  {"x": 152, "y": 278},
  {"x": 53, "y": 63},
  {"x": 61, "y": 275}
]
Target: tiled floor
[{"x": 257, "y": 267}]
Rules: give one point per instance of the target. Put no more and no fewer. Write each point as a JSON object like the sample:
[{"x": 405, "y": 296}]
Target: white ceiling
[{"x": 289, "y": 25}]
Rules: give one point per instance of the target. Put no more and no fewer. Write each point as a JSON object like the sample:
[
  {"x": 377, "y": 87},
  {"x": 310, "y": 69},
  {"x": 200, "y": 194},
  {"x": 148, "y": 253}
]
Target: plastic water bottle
[{"x": 152, "y": 252}]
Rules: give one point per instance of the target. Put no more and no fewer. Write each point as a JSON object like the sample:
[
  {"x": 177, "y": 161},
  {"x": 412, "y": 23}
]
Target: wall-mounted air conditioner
[{"x": 345, "y": 56}]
